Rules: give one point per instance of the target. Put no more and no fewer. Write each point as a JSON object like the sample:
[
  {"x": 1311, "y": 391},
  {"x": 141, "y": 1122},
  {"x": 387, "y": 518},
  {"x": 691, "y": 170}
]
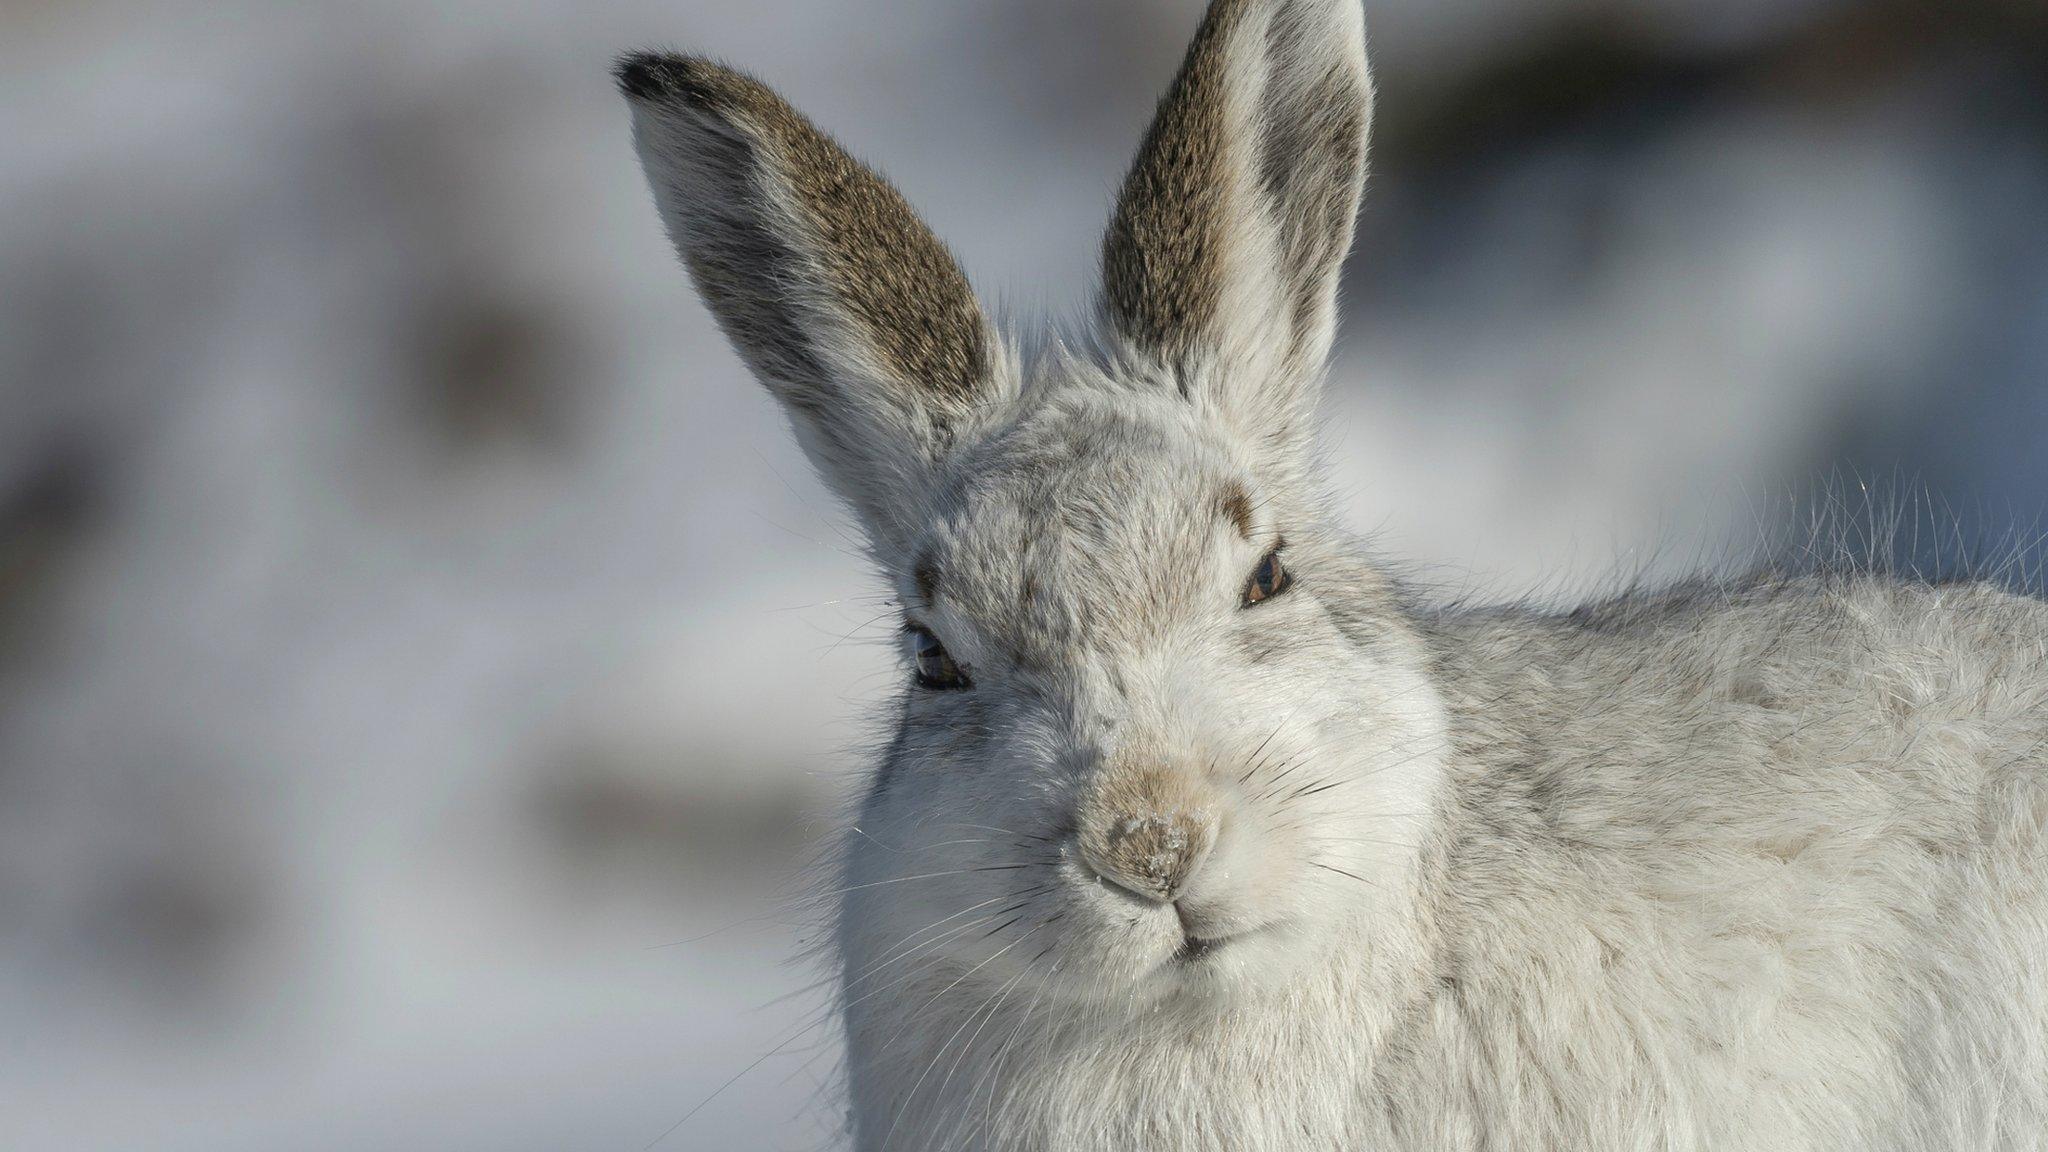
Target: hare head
[{"x": 1162, "y": 738}]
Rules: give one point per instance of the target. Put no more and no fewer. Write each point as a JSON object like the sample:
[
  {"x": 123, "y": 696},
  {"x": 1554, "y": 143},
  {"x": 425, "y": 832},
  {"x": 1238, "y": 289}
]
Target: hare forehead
[{"x": 1087, "y": 526}]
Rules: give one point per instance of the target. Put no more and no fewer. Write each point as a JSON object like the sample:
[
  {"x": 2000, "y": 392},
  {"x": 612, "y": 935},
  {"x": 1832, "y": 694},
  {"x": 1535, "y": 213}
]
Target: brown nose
[{"x": 1151, "y": 856}]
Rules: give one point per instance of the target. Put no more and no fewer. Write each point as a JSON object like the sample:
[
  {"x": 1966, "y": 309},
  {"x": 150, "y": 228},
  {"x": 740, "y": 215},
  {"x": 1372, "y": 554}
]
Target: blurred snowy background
[{"x": 413, "y": 624}]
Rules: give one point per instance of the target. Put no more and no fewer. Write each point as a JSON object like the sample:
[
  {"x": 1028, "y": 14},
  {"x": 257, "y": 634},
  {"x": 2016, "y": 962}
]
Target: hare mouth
[{"x": 1195, "y": 949}]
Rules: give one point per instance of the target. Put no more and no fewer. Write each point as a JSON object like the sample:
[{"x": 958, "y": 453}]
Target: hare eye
[
  {"x": 935, "y": 669},
  {"x": 1268, "y": 580}
]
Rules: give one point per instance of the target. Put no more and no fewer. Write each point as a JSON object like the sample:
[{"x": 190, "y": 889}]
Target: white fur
[
  {"x": 1753, "y": 867},
  {"x": 1753, "y": 864}
]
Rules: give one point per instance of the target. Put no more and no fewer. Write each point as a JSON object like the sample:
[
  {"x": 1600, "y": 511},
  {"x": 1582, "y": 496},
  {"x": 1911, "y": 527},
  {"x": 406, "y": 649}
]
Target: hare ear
[
  {"x": 837, "y": 296},
  {"x": 1221, "y": 263}
]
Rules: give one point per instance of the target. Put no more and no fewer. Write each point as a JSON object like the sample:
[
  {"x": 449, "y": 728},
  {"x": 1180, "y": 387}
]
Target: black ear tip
[
  {"x": 689, "y": 81},
  {"x": 648, "y": 75}
]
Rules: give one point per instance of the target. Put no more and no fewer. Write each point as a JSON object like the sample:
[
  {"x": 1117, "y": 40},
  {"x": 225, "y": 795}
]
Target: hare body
[
  {"x": 1751, "y": 867},
  {"x": 1197, "y": 831}
]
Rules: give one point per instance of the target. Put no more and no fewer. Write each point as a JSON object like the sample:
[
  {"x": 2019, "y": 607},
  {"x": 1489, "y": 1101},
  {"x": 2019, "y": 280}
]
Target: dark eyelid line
[
  {"x": 914, "y": 628},
  {"x": 1255, "y": 592},
  {"x": 928, "y": 644}
]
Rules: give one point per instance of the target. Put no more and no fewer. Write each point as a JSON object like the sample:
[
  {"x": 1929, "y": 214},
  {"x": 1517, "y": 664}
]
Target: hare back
[{"x": 1749, "y": 866}]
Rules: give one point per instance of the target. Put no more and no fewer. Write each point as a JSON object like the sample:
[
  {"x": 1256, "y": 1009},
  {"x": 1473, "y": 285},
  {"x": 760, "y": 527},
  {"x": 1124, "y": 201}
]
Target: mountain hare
[{"x": 1197, "y": 831}]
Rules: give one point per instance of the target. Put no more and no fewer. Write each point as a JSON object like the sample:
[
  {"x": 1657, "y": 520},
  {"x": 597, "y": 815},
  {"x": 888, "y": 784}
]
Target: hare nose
[{"x": 1150, "y": 856}]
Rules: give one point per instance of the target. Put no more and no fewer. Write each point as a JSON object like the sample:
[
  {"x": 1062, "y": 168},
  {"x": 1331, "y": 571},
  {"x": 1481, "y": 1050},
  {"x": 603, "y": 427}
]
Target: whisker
[
  {"x": 1342, "y": 872},
  {"x": 904, "y": 1107},
  {"x": 929, "y": 876},
  {"x": 904, "y": 945}
]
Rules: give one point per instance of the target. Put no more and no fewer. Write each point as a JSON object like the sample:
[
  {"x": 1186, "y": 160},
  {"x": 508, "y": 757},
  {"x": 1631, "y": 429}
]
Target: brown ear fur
[
  {"x": 1256, "y": 157},
  {"x": 839, "y": 298},
  {"x": 881, "y": 260}
]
